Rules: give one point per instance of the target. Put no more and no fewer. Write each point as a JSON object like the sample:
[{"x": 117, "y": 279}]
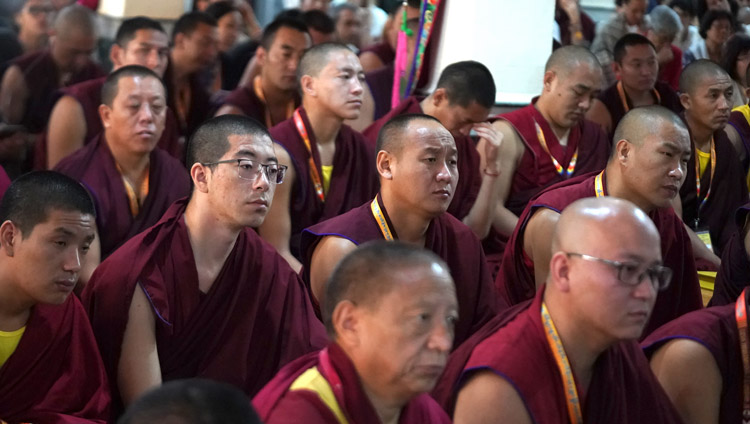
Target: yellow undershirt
[
  {"x": 703, "y": 159},
  {"x": 9, "y": 342},
  {"x": 327, "y": 171}
]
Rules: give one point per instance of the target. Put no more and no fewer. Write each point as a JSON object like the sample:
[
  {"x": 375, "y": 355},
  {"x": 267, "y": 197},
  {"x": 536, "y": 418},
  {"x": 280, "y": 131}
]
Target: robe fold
[
  {"x": 276, "y": 403},
  {"x": 449, "y": 238},
  {"x": 611, "y": 99},
  {"x": 728, "y": 192},
  {"x": 622, "y": 390},
  {"x": 354, "y": 179},
  {"x": 470, "y": 177},
  {"x": 380, "y": 82},
  {"x": 201, "y": 107},
  {"x": 255, "y": 318},
  {"x": 95, "y": 167},
  {"x": 42, "y": 78},
  {"x": 245, "y": 99},
  {"x": 55, "y": 375},
  {"x": 516, "y": 282},
  {"x": 382, "y": 50},
  {"x": 89, "y": 96},
  {"x": 739, "y": 120},
  {"x": 734, "y": 272},
  {"x": 716, "y": 329}
]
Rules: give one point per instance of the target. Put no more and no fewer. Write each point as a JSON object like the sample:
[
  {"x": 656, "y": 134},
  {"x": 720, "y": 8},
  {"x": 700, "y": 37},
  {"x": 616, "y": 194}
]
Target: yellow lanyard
[
  {"x": 133, "y": 197},
  {"x": 566, "y": 372},
  {"x": 599, "y": 185},
  {"x": 258, "y": 88},
  {"x": 314, "y": 174},
  {"x": 702, "y": 203},
  {"x": 380, "y": 219},
  {"x": 558, "y": 167},
  {"x": 624, "y": 98},
  {"x": 740, "y": 314}
]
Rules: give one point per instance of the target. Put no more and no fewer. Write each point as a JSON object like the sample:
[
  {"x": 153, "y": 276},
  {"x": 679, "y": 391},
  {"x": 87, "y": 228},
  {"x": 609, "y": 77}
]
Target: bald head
[
  {"x": 696, "y": 72},
  {"x": 317, "y": 57},
  {"x": 641, "y": 122},
  {"x": 393, "y": 136},
  {"x": 75, "y": 19},
  {"x": 566, "y": 59}
]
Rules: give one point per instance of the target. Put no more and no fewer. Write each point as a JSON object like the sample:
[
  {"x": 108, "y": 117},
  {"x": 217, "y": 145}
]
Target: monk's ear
[
  {"x": 261, "y": 55},
  {"x": 178, "y": 39},
  {"x": 622, "y": 150},
  {"x": 617, "y": 69},
  {"x": 685, "y": 100},
  {"x": 199, "y": 175},
  {"x": 549, "y": 78},
  {"x": 345, "y": 320},
  {"x": 747, "y": 92},
  {"x": 308, "y": 85},
  {"x": 438, "y": 97},
  {"x": 9, "y": 236},
  {"x": 105, "y": 112},
  {"x": 559, "y": 272},
  {"x": 115, "y": 53},
  {"x": 383, "y": 163}
]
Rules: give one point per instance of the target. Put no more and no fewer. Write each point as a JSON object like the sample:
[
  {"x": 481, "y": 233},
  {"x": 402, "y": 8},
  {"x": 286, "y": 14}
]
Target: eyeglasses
[
  {"x": 631, "y": 273},
  {"x": 249, "y": 169}
]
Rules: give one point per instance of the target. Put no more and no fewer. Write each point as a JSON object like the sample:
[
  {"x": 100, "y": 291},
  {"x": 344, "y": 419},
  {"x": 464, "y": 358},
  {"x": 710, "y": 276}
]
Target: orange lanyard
[
  {"x": 740, "y": 314},
  {"x": 624, "y": 98},
  {"x": 599, "y": 185},
  {"x": 314, "y": 174},
  {"x": 258, "y": 88},
  {"x": 133, "y": 197},
  {"x": 698, "y": 180},
  {"x": 380, "y": 219},
  {"x": 559, "y": 168},
  {"x": 566, "y": 372}
]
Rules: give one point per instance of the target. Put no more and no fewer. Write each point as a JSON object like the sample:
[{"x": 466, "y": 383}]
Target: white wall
[{"x": 156, "y": 9}]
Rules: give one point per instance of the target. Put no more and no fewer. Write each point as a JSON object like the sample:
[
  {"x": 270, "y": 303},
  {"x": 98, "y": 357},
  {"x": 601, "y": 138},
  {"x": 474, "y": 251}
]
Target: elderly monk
[
  {"x": 331, "y": 166},
  {"x": 715, "y": 185},
  {"x": 549, "y": 140},
  {"x": 417, "y": 163},
  {"x": 75, "y": 121},
  {"x": 194, "y": 48},
  {"x": 569, "y": 355},
  {"x": 647, "y": 167},
  {"x": 390, "y": 311},
  {"x": 637, "y": 67},
  {"x": 133, "y": 182},
  {"x": 461, "y": 102},
  {"x": 50, "y": 369},
  {"x": 273, "y": 94},
  {"x": 708, "y": 344},
  {"x": 200, "y": 294}
]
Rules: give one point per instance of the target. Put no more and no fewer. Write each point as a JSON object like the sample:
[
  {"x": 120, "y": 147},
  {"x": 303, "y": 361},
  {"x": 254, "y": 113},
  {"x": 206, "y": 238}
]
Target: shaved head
[
  {"x": 316, "y": 58},
  {"x": 640, "y": 122},
  {"x": 75, "y": 18},
  {"x": 565, "y": 59},
  {"x": 392, "y": 136},
  {"x": 696, "y": 72}
]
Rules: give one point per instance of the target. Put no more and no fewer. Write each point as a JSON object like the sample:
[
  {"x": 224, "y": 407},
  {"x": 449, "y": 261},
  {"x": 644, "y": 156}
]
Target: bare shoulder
[
  {"x": 489, "y": 398},
  {"x": 539, "y": 228},
  {"x": 673, "y": 357},
  {"x": 327, "y": 254}
]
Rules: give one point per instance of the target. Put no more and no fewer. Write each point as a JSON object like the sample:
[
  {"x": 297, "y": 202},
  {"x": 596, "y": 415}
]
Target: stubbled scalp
[
  {"x": 393, "y": 134},
  {"x": 316, "y": 58},
  {"x": 695, "y": 72},
  {"x": 567, "y": 58},
  {"x": 74, "y": 18},
  {"x": 642, "y": 121}
]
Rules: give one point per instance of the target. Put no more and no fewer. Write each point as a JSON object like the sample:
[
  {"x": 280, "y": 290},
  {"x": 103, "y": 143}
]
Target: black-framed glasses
[
  {"x": 632, "y": 273},
  {"x": 249, "y": 169}
]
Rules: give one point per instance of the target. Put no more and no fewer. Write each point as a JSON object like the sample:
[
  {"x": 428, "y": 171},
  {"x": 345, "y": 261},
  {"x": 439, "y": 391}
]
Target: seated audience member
[
  {"x": 191, "y": 401},
  {"x": 461, "y": 102},
  {"x": 75, "y": 121},
  {"x": 331, "y": 166},
  {"x": 33, "y": 21},
  {"x": 630, "y": 18},
  {"x": 689, "y": 33},
  {"x": 663, "y": 26},
  {"x": 132, "y": 181},
  {"x": 379, "y": 54},
  {"x": 273, "y": 94},
  {"x": 50, "y": 369},
  {"x": 737, "y": 131},
  {"x": 548, "y": 141},
  {"x": 320, "y": 5},
  {"x": 418, "y": 173},
  {"x": 390, "y": 311},
  {"x": 734, "y": 61},
  {"x": 228, "y": 30},
  {"x": 734, "y": 274},
  {"x": 636, "y": 67},
  {"x": 716, "y": 28},
  {"x": 320, "y": 26},
  {"x": 200, "y": 294},
  {"x": 349, "y": 29},
  {"x": 715, "y": 183},
  {"x": 570, "y": 355},
  {"x": 647, "y": 167},
  {"x": 576, "y": 26}
]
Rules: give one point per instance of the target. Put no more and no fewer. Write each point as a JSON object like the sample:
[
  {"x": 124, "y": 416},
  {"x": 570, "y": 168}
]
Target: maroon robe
[
  {"x": 611, "y": 99},
  {"x": 42, "y": 79},
  {"x": 353, "y": 181},
  {"x": 255, "y": 318},
  {"x": 245, "y": 99},
  {"x": 728, "y": 192},
  {"x": 201, "y": 107},
  {"x": 739, "y": 122},
  {"x": 276, "y": 404},
  {"x": 4, "y": 182},
  {"x": 89, "y": 96},
  {"x": 380, "y": 82},
  {"x": 470, "y": 178},
  {"x": 734, "y": 273},
  {"x": 716, "y": 329},
  {"x": 95, "y": 167},
  {"x": 588, "y": 26},
  {"x": 622, "y": 390},
  {"x": 516, "y": 282},
  {"x": 382, "y": 50},
  {"x": 449, "y": 238},
  {"x": 55, "y": 375}
]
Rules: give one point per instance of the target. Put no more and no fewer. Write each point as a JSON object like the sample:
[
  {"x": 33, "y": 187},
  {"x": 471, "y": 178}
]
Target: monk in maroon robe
[
  {"x": 410, "y": 207},
  {"x": 462, "y": 102},
  {"x": 738, "y": 132},
  {"x": 715, "y": 185},
  {"x": 236, "y": 316},
  {"x": 734, "y": 274},
  {"x": 576, "y": 26},
  {"x": 74, "y": 120},
  {"x": 637, "y": 69},
  {"x": 50, "y": 368},
  {"x": 381, "y": 342},
  {"x": 647, "y": 168},
  {"x": 273, "y": 94},
  {"x": 331, "y": 166},
  {"x": 706, "y": 342},
  {"x": 569, "y": 355},
  {"x": 548, "y": 141},
  {"x": 131, "y": 194}
]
